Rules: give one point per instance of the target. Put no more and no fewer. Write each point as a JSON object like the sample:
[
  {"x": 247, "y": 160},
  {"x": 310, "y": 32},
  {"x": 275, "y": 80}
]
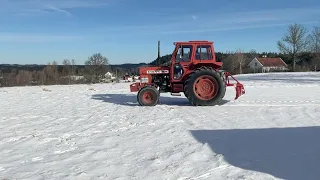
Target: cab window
[
  {"x": 203, "y": 52},
  {"x": 184, "y": 53}
]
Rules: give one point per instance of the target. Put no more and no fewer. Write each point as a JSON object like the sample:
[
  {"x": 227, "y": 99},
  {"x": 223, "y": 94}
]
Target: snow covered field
[{"x": 99, "y": 132}]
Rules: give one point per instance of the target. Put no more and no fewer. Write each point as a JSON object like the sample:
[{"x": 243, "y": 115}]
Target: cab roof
[{"x": 194, "y": 42}]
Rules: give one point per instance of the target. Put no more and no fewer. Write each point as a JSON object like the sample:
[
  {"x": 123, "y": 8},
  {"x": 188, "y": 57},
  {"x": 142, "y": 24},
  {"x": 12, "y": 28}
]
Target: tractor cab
[{"x": 190, "y": 55}]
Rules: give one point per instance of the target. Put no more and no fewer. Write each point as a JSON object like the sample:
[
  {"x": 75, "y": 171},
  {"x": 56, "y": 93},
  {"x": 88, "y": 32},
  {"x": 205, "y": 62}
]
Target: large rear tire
[
  {"x": 205, "y": 87},
  {"x": 148, "y": 96}
]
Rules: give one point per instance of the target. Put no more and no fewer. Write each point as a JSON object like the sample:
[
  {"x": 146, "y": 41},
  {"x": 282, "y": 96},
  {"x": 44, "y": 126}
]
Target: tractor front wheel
[
  {"x": 148, "y": 96},
  {"x": 205, "y": 87}
]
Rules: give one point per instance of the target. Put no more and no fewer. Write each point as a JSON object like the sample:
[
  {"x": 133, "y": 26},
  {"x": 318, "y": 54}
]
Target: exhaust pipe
[{"x": 158, "y": 53}]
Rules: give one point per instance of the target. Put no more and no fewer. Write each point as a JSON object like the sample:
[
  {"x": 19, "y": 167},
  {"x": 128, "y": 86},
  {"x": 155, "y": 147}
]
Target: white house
[
  {"x": 109, "y": 75},
  {"x": 267, "y": 64}
]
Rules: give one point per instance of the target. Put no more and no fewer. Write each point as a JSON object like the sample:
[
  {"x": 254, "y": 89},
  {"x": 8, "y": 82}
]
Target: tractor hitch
[{"x": 238, "y": 86}]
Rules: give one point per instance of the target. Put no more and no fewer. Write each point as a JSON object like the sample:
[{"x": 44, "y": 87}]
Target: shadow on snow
[
  {"x": 131, "y": 100},
  {"x": 286, "y": 153}
]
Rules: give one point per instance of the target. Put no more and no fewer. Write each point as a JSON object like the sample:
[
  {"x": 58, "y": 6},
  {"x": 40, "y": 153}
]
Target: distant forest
[{"x": 299, "y": 48}]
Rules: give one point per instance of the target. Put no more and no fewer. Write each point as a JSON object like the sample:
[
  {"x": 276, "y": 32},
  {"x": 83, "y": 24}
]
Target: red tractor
[{"x": 193, "y": 70}]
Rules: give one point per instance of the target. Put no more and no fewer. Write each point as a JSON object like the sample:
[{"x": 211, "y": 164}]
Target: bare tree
[
  {"x": 66, "y": 62},
  {"x": 314, "y": 46},
  {"x": 66, "y": 71},
  {"x": 240, "y": 59},
  {"x": 73, "y": 63},
  {"x": 51, "y": 73},
  {"x": 43, "y": 76},
  {"x": 36, "y": 77},
  {"x": 97, "y": 64},
  {"x": 295, "y": 40},
  {"x": 23, "y": 77},
  {"x": 228, "y": 63},
  {"x": 235, "y": 61},
  {"x": 47, "y": 74},
  {"x": 252, "y": 54},
  {"x": 55, "y": 71}
]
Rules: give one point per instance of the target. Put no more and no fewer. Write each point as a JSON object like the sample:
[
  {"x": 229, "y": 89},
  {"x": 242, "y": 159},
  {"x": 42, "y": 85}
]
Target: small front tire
[{"x": 148, "y": 96}]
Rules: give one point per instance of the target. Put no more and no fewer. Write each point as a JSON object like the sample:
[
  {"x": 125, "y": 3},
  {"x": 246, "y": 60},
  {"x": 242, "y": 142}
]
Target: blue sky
[{"x": 127, "y": 31}]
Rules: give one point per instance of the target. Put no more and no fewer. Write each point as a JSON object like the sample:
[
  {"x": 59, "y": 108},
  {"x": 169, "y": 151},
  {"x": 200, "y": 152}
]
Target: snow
[{"x": 99, "y": 132}]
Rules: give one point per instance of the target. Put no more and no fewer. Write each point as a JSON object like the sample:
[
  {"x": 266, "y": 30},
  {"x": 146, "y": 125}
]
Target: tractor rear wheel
[
  {"x": 205, "y": 87},
  {"x": 148, "y": 96}
]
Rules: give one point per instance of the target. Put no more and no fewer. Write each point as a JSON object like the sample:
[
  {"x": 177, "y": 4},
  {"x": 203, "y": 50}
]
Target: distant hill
[
  {"x": 163, "y": 60},
  {"x": 127, "y": 65}
]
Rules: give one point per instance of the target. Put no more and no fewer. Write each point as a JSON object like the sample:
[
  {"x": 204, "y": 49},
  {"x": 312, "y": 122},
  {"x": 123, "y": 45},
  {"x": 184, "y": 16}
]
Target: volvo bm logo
[{"x": 157, "y": 71}]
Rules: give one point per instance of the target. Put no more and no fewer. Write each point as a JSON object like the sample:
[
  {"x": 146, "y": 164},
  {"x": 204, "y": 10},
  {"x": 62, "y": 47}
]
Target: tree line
[
  {"x": 69, "y": 72},
  {"x": 298, "y": 47}
]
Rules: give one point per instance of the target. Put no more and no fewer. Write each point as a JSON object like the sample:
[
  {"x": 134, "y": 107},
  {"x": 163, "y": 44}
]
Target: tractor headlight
[{"x": 144, "y": 80}]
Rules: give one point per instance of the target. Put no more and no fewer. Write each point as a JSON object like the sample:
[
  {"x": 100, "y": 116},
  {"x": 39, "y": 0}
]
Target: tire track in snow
[{"x": 262, "y": 102}]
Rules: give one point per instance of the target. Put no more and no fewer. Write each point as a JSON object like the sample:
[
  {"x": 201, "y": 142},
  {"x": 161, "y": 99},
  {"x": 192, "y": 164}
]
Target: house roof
[{"x": 271, "y": 61}]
